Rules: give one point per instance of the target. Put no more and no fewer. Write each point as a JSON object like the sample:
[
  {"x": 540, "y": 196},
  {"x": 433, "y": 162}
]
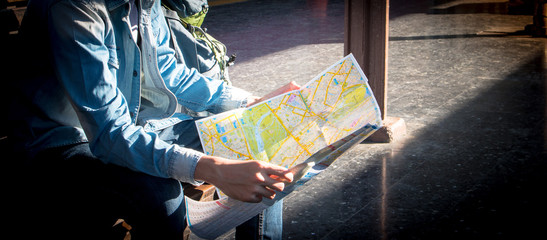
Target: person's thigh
[
  {"x": 87, "y": 196},
  {"x": 184, "y": 133}
]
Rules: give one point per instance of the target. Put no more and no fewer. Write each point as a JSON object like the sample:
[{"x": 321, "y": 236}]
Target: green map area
[{"x": 289, "y": 128}]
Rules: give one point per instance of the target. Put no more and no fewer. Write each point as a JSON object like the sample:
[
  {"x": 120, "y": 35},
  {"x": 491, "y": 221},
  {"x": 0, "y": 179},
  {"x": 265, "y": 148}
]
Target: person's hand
[
  {"x": 247, "y": 181},
  {"x": 252, "y": 100}
]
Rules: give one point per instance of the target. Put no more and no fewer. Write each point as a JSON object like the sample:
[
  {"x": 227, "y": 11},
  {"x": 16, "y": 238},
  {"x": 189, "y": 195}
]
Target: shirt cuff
[
  {"x": 183, "y": 165},
  {"x": 232, "y": 98}
]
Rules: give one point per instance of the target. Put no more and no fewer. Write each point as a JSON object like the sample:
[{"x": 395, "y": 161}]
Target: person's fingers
[
  {"x": 250, "y": 198},
  {"x": 266, "y": 192},
  {"x": 270, "y": 182},
  {"x": 288, "y": 176},
  {"x": 288, "y": 87},
  {"x": 275, "y": 182},
  {"x": 274, "y": 177},
  {"x": 279, "y": 173},
  {"x": 252, "y": 100},
  {"x": 255, "y": 198},
  {"x": 279, "y": 186},
  {"x": 257, "y": 194},
  {"x": 293, "y": 86}
]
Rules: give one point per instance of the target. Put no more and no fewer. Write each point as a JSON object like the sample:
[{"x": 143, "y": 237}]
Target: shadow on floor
[{"x": 476, "y": 174}]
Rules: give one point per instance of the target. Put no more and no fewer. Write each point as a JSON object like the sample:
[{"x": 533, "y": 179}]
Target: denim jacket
[{"x": 91, "y": 82}]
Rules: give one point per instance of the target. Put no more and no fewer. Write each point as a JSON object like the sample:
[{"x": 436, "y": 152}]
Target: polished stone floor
[{"x": 470, "y": 85}]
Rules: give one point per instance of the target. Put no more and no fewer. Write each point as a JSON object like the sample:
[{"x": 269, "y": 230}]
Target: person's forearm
[{"x": 206, "y": 169}]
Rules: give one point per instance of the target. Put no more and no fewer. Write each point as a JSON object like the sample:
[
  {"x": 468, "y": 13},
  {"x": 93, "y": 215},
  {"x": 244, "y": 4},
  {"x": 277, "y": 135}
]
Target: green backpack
[{"x": 193, "y": 46}]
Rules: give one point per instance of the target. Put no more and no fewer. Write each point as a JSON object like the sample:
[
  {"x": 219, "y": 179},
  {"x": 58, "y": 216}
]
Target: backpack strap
[{"x": 206, "y": 53}]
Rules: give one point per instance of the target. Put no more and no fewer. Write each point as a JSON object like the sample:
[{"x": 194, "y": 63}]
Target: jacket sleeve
[{"x": 84, "y": 66}]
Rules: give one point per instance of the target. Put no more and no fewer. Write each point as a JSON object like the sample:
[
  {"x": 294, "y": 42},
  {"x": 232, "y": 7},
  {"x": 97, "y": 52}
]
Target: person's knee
[{"x": 162, "y": 211}]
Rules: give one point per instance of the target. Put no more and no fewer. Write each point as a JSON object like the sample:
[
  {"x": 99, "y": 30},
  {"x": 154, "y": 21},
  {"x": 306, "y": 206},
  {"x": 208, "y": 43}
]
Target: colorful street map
[
  {"x": 305, "y": 130},
  {"x": 287, "y": 129}
]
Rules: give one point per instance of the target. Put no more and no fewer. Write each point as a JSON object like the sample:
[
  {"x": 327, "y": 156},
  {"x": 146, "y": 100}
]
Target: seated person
[{"x": 97, "y": 121}]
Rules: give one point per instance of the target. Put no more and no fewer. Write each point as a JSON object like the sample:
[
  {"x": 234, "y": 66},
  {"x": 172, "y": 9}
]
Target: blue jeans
[
  {"x": 87, "y": 196},
  {"x": 267, "y": 225}
]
